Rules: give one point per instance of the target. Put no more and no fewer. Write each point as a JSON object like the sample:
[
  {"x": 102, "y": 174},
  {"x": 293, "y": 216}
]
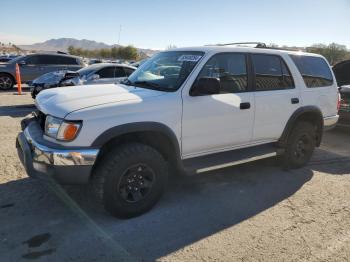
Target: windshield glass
[
  {"x": 17, "y": 59},
  {"x": 165, "y": 71},
  {"x": 84, "y": 72}
]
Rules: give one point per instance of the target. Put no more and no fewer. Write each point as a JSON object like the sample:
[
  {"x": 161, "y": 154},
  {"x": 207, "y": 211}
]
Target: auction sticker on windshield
[{"x": 189, "y": 58}]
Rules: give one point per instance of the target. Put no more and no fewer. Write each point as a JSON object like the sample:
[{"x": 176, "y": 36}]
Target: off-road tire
[
  {"x": 111, "y": 170},
  {"x": 300, "y": 146}
]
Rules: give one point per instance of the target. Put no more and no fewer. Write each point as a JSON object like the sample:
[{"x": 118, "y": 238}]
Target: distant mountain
[{"x": 62, "y": 44}]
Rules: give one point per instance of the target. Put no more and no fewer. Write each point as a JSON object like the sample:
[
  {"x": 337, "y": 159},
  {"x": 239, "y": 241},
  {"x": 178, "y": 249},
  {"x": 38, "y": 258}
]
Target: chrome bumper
[
  {"x": 60, "y": 157},
  {"x": 330, "y": 122},
  {"x": 66, "y": 165}
]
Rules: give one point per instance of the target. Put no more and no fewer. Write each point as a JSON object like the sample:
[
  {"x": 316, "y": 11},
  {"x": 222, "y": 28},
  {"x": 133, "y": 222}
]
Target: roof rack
[{"x": 257, "y": 44}]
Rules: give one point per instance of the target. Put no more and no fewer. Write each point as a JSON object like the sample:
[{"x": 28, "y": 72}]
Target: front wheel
[
  {"x": 300, "y": 146},
  {"x": 131, "y": 179}
]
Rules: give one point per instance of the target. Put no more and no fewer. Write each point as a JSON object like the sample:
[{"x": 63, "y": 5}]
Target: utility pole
[{"x": 120, "y": 29}]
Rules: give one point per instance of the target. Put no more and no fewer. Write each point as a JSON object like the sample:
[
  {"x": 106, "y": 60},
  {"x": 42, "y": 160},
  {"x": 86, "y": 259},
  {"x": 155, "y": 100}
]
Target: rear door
[
  {"x": 67, "y": 63},
  {"x": 320, "y": 88},
  {"x": 276, "y": 96},
  {"x": 31, "y": 69}
]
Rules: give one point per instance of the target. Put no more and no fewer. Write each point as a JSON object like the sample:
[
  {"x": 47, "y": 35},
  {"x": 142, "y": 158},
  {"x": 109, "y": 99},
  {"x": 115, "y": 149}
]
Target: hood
[{"x": 63, "y": 100}]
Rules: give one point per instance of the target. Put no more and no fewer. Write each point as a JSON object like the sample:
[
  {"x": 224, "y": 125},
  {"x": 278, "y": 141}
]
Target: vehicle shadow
[
  {"x": 192, "y": 209},
  {"x": 16, "y": 110}
]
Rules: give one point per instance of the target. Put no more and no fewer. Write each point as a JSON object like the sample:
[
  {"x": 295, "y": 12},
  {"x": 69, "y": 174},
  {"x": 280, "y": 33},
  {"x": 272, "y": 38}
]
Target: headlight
[{"x": 61, "y": 129}]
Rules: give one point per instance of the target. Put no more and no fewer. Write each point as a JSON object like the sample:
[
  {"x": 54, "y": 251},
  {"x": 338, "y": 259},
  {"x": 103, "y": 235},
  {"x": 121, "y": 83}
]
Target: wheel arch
[
  {"x": 307, "y": 113},
  {"x": 10, "y": 75},
  {"x": 157, "y": 135}
]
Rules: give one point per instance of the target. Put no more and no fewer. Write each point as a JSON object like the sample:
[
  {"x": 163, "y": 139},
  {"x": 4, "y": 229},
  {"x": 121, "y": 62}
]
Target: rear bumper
[
  {"x": 330, "y": 122},
  {"x": 47, "y": 161}
]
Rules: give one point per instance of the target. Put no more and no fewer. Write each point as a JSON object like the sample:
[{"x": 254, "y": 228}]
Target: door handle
[
  {"x": 243, "y": 106},
  {"x": 295, "y": 100}
]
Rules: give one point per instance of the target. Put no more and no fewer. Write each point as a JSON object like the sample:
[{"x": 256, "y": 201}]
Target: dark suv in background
[{"x": 35, "y": 65}]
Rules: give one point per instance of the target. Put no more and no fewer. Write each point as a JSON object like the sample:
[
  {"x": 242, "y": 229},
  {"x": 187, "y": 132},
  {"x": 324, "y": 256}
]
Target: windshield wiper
[
  {"x": 126, "y": 82},
  {"x": 146, "y": 83}
]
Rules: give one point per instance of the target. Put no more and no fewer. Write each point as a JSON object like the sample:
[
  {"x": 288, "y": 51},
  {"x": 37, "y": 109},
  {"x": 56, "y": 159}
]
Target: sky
[{"x": 157, "y": 24}]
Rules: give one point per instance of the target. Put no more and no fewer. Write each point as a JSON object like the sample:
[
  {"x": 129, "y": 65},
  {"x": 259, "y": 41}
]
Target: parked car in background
[
  {"x": 35, "y": 65},
  {"x": 342, "y": 74},
  {"x": 102, "y": 73},
  {"x": 94, "y": 61},
  {"x": 138, "y": 63},
  {"x": 344, "y": 108},
  {"x": 5, "y": 59}
]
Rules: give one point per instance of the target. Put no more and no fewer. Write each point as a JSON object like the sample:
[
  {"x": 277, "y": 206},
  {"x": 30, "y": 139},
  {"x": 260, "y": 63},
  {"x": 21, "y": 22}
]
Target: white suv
[{"x": 187, "y": 110}]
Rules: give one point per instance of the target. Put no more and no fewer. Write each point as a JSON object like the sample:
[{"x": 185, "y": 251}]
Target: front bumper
[{"x": 46, "y": 160}]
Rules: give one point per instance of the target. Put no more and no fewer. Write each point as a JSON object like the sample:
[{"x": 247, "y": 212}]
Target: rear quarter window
[
  {"x": 314, "y": 70},
  {"x": 65, "y": 60}
]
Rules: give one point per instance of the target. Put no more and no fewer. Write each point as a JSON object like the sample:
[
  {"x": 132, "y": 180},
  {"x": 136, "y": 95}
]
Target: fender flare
[
  {"x": 295, "y": 117},
  {"x": 124, "y": 129}
]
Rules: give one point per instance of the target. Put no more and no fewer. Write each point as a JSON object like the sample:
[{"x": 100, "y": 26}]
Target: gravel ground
[{"x": 254, "y": 212}]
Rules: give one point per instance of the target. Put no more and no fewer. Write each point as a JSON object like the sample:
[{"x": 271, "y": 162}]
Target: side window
[
  {"x": 47, "y": 60},
  {"x": 230, "y": 69},
  {"x": 119, "y": 72},
  {"x": 314, "y": 70},
  {"x": 128, "y": 71},
  {"x": 107, "y": 72},
  {"x": 271, "y": 73},
  {"x": 64, "y": 60},
  {"x": 32, "y": 60}
]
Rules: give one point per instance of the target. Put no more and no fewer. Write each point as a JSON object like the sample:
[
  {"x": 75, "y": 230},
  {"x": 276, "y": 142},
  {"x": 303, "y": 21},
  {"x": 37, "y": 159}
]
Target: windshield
[
  {"x": 17, "y": 59},
  {"x": 84, "y": 72},
  {"x": 165, "y": 71}
]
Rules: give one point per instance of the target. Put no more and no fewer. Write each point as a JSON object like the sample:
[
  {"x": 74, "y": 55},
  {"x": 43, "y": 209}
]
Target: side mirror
[
  {"x": 95, "y": 77},
  {"x": 206, "y": 86},
  {"x": 21, "y": 63}
]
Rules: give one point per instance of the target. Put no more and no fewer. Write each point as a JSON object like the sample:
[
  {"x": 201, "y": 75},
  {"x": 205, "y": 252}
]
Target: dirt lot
[{"x": 255, "y": 212}]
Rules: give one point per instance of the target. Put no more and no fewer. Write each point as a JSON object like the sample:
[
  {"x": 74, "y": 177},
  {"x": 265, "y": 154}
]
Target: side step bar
[{"x": 230, "y": 158}]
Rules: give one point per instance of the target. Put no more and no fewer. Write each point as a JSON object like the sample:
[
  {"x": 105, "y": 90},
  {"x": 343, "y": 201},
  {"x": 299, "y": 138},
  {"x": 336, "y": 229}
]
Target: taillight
[{"x": 339, "y": 102}]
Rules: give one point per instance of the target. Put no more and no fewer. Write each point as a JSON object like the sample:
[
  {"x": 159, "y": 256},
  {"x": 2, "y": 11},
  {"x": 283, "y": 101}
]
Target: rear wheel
[
  {"x": 300, "y": 146},
  {"x": 6, "y": 81},
  {"x": 131, "y": 179}
]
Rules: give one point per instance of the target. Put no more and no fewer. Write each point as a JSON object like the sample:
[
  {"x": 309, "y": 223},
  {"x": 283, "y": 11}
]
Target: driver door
[
  {"x": 31, "y": 68},
  {"x": 217, "y": 122}
]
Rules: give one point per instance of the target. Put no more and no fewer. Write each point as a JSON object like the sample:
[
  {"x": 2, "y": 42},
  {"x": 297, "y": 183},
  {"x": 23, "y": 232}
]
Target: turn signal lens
[{"x": 68, "y": 131}]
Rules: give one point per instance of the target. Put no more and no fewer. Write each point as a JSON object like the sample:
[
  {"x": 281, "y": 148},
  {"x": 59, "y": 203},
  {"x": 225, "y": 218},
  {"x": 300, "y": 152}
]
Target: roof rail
[{"x": 257, "y": 44}]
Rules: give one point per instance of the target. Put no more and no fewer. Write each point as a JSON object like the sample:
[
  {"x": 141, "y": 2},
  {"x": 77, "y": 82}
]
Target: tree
[
  {"x": 71, "y": 50},
  {"x": 333, "y": 52}
]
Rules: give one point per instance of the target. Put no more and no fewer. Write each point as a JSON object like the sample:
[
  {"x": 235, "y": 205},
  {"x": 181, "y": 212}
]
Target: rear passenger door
[
  {"x": 67, "y": 63},
  {"x": 276, "y": 97}
]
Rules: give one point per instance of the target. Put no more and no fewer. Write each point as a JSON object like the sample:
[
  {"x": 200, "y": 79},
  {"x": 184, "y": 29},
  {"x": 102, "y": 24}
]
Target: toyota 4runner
[{"x": 185, "y": 111}]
